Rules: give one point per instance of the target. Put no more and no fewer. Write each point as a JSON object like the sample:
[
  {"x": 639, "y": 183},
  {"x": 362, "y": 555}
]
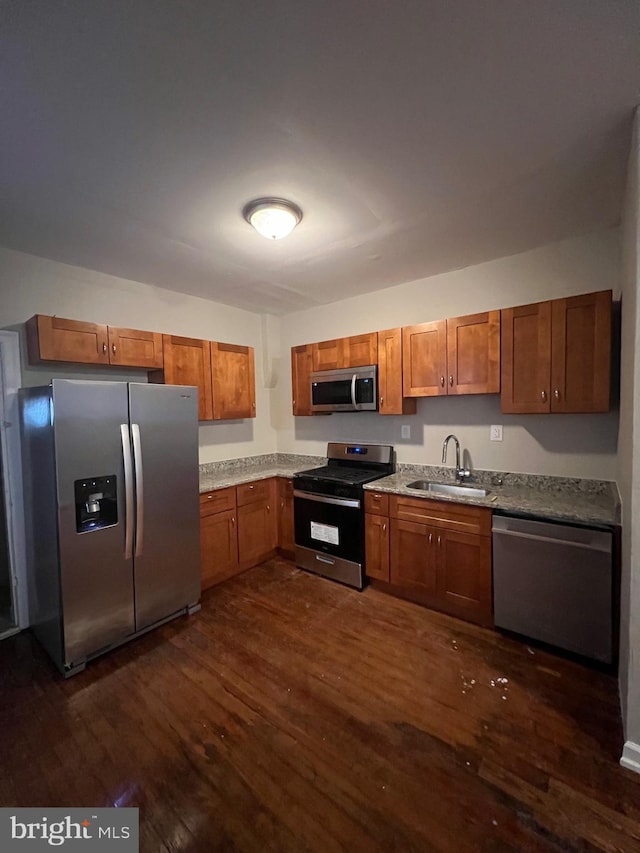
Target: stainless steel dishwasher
[{"x": 553, "y": 582}]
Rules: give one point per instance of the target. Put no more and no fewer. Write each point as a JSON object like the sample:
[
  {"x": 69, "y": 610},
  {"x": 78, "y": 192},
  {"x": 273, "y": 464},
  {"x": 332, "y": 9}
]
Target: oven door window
[{"x": 335, "y": 530}]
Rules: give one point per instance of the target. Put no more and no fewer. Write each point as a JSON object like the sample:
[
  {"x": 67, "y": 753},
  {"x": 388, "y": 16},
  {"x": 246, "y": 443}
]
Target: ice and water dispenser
[{"x": 96, "y": 503}]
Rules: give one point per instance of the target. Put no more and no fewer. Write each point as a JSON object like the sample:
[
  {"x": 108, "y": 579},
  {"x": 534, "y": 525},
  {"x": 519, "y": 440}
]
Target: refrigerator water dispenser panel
[{"x": 96, "y": 503}]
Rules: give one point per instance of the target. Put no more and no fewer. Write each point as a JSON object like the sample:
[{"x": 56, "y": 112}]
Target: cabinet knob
[
  {"x": 442, "y": 381},
  {"x": 209, "y": 497},
  {"x": 382, "y": 401},
  {"x": 253, "y": 405},
  {"x": 451, "y": 381},
  {"x": 294, "y": 402},
  {"x": 251, "y": 487},
  {"x": 439, "y": 540},
  {"x": 430, "y": 538},
  {"x": 113, "y": 348},
  {"x": 268, "y": 508},
  {"x": 556, "y": 394},
  {"x": 233, "y": 520},
  {"x": 543, "y": 395},
  {"x": 104, "y": 348},
  {"x": 384, "y": 526}
]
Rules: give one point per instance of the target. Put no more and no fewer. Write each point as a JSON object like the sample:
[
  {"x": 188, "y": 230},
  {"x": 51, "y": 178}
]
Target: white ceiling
[{"x": 418, "y": 136}]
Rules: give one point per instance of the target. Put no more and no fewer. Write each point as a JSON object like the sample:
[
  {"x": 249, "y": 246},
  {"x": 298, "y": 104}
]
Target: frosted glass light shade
[{"x": 274, "y": 218}]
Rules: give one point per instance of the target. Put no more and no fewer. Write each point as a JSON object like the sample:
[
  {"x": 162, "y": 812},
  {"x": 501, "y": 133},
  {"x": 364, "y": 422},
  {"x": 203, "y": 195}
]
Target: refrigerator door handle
[
  {"x": 137, "y": 462},
  {"x": 128, "y": 490}
]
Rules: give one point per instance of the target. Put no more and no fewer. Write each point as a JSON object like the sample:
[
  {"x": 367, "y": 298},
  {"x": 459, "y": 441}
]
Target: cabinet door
[
  {"x": 57, "y": 339},
  {"x": 391, "y": 401},
  {"x": 134, "y": 348},
  {"x": 286, "y": 540},
  {"x": 233, "y": 382},
  {"x": 376, "y": 535},
  {"x": 473, "y": 354},
  {"x": 526, "y": 359},
  {"x": 301, "y": 367},
  {"x": 328, "y": 355},
  {"x": 581, "y": 353},
  {"x": 257, "y": 532},
  {"x": 464, "y": 585},
  {"x": 424, "y": 359},
  {"x": 187, "y": 361},
  {"x": 219, "y": 547},
  {"x": 359, "y": 350},
  {"x": 413, "y": 559}
]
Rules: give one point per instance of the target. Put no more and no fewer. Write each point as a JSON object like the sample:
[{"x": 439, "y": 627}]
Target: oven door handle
[
  {"x": 353, "y": 390},
  {"x": 324, "y": 499}
]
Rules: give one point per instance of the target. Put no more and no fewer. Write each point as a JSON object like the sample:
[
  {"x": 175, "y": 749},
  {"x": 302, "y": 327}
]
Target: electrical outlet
[
  {"x": 495, "y": 432},
  {"x": 405, "y": 431}
]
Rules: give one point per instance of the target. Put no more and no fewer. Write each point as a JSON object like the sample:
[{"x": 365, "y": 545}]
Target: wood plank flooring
[{"x": 294, "y": 714}]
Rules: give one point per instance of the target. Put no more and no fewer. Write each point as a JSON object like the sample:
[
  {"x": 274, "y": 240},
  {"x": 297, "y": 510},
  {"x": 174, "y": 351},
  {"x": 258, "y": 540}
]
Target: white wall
[
  {"x": 567, "y": 445},
  {"x": 31, "y": 285},
  {"x": 629, "y": 459}
]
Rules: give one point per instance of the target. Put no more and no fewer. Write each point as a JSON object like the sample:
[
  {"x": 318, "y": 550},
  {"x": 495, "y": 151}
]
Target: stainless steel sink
[{"x": 449, "y": 489}]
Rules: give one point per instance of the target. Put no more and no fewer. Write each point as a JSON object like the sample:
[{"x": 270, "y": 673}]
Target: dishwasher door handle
[{"x": 568, "y": 543}]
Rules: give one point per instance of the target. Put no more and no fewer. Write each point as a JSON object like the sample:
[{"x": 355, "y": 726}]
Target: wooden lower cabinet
[
  {"x": 219, "y": 547},
  {"x": 376, "y": 532},
  {"x": 286, "y": 533},
  {"x": 257, "y": 532},
  {"x": 434, "y": 553},
  {"x": 238, "y": 529}
]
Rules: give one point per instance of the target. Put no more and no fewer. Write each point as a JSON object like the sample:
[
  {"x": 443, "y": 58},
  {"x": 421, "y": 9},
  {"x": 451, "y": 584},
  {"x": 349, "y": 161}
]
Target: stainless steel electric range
[{"x": 329, "y": 510}]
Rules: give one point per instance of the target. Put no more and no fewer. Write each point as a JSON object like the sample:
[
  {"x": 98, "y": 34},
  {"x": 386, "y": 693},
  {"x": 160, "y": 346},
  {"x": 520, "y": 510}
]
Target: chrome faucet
[{"x": 461, "y": 473}]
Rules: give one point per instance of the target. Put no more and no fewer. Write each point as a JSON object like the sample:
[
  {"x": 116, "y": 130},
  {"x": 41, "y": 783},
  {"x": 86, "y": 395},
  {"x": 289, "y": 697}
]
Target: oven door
[{"x": 329, "y": 536}]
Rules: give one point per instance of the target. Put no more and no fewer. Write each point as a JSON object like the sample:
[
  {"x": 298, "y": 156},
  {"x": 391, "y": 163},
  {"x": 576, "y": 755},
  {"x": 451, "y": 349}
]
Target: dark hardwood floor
[{"x": 294, "y": 714}]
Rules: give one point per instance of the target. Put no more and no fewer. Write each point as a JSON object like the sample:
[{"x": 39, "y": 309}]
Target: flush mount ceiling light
[{"x": 274, "y": 218}]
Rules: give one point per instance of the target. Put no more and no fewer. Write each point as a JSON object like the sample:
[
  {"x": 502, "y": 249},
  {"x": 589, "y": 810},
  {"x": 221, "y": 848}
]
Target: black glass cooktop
[{"x": 341, "y": 474}]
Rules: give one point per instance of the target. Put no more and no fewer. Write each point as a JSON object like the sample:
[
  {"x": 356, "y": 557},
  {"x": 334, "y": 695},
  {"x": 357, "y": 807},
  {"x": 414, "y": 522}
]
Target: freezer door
[
  {"x": 96, "y": 578},
  {"x": 164, "y": 428}
]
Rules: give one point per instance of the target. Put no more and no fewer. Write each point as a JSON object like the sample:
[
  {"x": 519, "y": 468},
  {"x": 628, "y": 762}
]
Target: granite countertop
[
  {"x": 560, "y": 499},
  {"x": 220, "y": 475}
]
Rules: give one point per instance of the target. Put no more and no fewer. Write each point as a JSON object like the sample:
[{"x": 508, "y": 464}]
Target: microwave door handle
[{"x": 353, "y": 390}]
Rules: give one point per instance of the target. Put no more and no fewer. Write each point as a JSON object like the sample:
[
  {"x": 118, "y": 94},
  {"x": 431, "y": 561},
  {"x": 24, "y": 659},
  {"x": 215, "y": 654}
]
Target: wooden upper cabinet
[
  {"x": 556, "y": 356},
  {"x": 327, "y": 355},
  {"x": 233, "y": 381},
  {"x": 424, "y": 359},
  {"x": 581, "y": 353},
  {"x": 456, "y": 356},
  {"x": 355, "y": 351},
  {"x": 134, "y": 348},
  {"x": 526, "y": 358},
  {"x": 301, "y": 367},
  {"x": 390, "y": 398},
  {"x": 360, "y": 350},
  {"x": 57, "y": 339},
  {"x": 187, "y": 361},
  {"x": 473, "y": 354}
]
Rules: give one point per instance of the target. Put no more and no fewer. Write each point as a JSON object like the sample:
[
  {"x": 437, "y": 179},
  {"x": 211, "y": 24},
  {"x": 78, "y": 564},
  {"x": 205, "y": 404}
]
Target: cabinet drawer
[
  {"x": 219, "y": 500},
  {"x": 285, "y": 487},
  {"x": 376, "y": 502},
  {"x": 249, "y": 492},
  {"x": 452, "y": 516}
]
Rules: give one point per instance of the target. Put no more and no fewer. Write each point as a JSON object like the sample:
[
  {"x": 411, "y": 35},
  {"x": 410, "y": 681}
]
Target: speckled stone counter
[
  {"x": 557, "y": 498},
  {"x": 234, "y": 472}
]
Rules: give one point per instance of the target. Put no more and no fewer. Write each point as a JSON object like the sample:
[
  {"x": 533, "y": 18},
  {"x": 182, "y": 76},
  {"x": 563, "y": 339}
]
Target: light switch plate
[
  {"x": 405, "y": 431},
  {"x": 495, "y": 432}
]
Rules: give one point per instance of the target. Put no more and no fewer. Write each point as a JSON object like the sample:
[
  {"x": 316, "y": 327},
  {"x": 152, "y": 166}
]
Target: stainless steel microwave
[{"x": 351, "y": 389}]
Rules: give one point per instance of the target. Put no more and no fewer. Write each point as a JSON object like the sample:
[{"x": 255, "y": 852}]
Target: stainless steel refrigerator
[{"x": 112, "y": 510}]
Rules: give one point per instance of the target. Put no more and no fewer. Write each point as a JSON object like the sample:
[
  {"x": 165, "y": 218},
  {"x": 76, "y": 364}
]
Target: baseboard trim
[{"x": 631, "y": 756}]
